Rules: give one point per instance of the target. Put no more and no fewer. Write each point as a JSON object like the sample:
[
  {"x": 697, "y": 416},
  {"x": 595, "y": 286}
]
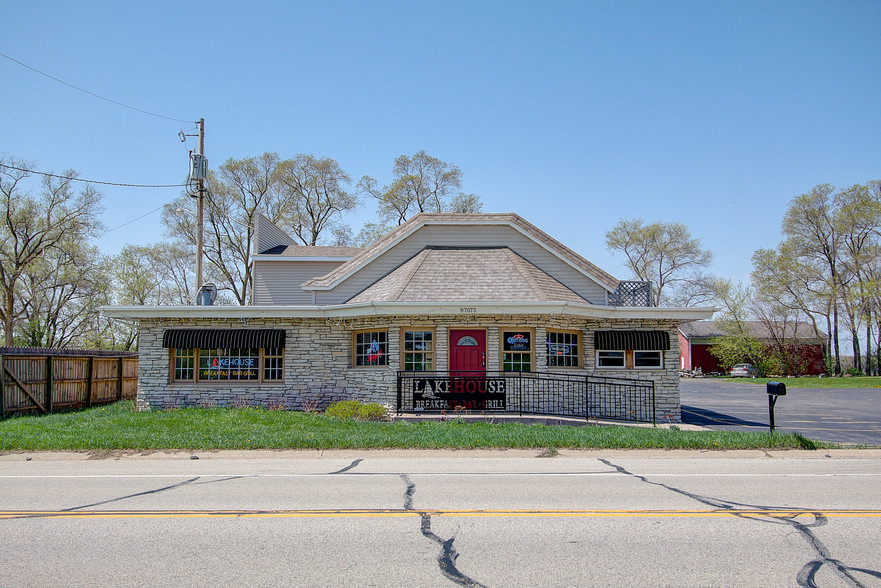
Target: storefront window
[
  {"x": 184, "y": 362},
  {"x": 517, "y": 351},
  {"x": 418, "y": 351},
  {"x": 371, "y": 348},
  {"x": 273, "y": 364},
  {"x": 563, "y": 349},
  {"x": 229, "y": 364},
  {"x": 224, "y": 365}
]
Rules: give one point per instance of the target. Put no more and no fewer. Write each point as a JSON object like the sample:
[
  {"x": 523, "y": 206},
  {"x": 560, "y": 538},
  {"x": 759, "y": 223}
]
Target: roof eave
[
  {"x": 408, "y": 308},
  {"x": 282, "y": 257}
]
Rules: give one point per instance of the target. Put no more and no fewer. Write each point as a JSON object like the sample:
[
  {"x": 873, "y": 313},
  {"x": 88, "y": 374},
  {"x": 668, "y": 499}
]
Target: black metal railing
[{"x": 558, "y": 394}]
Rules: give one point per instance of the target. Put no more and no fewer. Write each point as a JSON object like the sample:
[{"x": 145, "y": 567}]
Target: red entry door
[{"x": 467, "y": 351}]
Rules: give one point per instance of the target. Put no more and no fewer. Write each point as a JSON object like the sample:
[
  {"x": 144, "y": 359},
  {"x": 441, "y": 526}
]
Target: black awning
[
  {"x": 223, "y": 338},
  {"x": 624, "y": 340}
]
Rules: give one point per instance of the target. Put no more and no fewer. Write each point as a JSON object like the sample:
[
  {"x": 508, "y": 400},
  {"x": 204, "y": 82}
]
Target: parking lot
[{"x": 849, "y": 415}]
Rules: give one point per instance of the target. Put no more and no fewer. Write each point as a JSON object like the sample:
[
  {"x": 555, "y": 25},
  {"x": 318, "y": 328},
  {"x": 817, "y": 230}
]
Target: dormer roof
[{"x": 514, "y": 221}]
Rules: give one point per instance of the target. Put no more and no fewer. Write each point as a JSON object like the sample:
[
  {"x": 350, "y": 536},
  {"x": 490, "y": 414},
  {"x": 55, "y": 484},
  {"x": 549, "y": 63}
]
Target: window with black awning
[{"x": 624, "y": 340}]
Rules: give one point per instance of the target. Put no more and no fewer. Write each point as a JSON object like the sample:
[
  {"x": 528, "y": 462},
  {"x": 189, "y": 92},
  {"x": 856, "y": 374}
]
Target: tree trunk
[
  {"x": 837, "y": 367},
  {"x": 857, "y": 352},
  {"x": 878, "y": 351},
  {"x": 828, "y": 347},
  {"x": 10, "y": 303}
]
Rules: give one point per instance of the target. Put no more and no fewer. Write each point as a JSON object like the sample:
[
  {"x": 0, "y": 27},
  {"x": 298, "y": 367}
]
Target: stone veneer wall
[{"x": 318, "y": 359}]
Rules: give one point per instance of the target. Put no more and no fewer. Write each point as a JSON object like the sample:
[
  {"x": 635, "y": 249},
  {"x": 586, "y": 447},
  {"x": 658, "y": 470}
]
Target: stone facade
[{"x": 318, "y": 359}]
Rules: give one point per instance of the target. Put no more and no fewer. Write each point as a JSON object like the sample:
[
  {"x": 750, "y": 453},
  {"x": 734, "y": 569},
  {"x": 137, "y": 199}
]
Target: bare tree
[
  {"x": 34, "y": 227},
  {"x": 664, "y": 254},
  {"x": 314, "y": 195},
  {"x": 813, "y": 239},
  {"x": 238, "y": 190},
  {"x": 60, "y": 293}
]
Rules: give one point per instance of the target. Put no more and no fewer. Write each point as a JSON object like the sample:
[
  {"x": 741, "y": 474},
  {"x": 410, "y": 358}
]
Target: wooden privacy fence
[{"x": 43, "y": 380}]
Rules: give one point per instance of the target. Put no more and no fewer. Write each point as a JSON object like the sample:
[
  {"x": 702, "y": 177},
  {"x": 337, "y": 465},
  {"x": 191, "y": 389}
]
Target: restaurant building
[{"x": 476, "y": 311}]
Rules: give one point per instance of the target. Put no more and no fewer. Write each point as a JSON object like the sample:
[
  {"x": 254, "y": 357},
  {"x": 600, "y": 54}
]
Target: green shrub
[{"x": 353, "y": 409}]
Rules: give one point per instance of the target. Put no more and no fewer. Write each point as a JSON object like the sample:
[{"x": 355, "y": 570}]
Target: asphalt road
[
  {"x": 397, "y": 518},
  {"x": 851, "y": 416}
]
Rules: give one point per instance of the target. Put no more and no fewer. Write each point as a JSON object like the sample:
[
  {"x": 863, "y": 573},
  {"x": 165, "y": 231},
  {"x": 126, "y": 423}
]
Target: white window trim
[
  {"x": 660, "y": 364},
  {"x": 611, "y": 367}
]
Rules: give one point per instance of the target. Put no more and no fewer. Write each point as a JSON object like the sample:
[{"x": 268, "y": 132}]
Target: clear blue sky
[{"x": 571, "y": 114}]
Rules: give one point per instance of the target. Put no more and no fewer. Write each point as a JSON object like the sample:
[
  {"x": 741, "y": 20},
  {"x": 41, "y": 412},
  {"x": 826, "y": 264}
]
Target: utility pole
[{"x": 200, "y": 212}]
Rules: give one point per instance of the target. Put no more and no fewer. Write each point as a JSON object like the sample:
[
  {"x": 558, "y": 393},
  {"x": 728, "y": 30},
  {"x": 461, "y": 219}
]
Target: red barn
[{"x": 803, "y": 344}]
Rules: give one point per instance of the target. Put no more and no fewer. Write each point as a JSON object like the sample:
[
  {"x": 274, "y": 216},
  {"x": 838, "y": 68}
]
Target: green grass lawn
[
  {"x": 119, "y": 426},
  {"x": 815, "y": 382}
]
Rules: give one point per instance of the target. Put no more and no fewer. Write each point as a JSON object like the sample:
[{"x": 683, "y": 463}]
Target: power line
[
  {"x": 74, "y": 179},
  {"x": 92, "y": 93},
  {"x": 133, "y": 220}
]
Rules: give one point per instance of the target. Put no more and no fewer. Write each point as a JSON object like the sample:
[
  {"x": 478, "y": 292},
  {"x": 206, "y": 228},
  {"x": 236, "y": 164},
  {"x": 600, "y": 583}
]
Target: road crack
[
  {"x": 806, "y": 577},
  {"x": 408, "y": 494},
  {"x": 144, "y": 493},
  {"x": 352, "y": 465},
  {"x": 448, "y": 555}
]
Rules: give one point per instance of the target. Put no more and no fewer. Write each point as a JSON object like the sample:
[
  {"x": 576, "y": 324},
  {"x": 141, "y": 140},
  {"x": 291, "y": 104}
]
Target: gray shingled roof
[
  {"x": 366, "y": 255},
  {"x": 467, "y": 275},
  {"x": 758, "y": 329}
]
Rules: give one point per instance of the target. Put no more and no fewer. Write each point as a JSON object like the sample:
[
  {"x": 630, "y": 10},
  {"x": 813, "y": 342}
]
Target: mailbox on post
[{"x": 775, "y": 389}]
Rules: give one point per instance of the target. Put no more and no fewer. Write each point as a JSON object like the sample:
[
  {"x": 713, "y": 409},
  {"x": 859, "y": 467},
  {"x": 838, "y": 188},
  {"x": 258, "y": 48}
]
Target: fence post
[
  {"x": 520, "y": 389},
  {"x": 587, "y": 398},
  {"x": 120, "y": 380},
  {"x": 399, "y": 393},
  {"x": 50, "y": 373},
  {"x": 89, "y": 378}
]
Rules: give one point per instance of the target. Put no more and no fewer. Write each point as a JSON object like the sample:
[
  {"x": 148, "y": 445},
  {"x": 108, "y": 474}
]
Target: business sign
[
  {"x": 516, "y": 342},
  {"x": 559, "y": 349},
  {"x": 441, "y": 393},
  {"x": 228, "y": 368}
]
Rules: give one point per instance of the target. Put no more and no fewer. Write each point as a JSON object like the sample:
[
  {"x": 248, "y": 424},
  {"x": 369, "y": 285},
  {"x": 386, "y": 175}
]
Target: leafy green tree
[
  {"x": 858, "y": 220},
  {"x": 666, "y": 255},
  {"x": 813, "y": 239},
  {"x": 421, "y": 183},
  {"x": 61, "y": 293},
  {"x": 793, "y": 287},
  {"x": 238, "y": 190},
  {"x": 304, "y": 195},
  {"x": 369, "y": 234},
  {"x": 38, "y": 227},
  {"x": 736, "y": 348},
  {"x": 466, "y": 203},
  {"x": 738, "y": 345},
  {"x": 314, "y": 195}
]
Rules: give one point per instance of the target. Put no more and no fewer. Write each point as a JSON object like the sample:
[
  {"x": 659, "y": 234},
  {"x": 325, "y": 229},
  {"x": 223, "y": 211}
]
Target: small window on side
[
  {"x": 610, "y": 359},
  {"x": 647, "y": 359}
]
